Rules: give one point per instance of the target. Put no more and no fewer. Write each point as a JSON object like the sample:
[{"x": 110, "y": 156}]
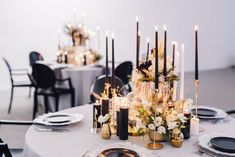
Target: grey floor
[{"x": 216, "y": 89}]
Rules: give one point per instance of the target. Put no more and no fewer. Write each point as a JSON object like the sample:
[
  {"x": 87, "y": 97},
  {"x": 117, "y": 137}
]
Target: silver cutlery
[{"x": 51, "y": 129}]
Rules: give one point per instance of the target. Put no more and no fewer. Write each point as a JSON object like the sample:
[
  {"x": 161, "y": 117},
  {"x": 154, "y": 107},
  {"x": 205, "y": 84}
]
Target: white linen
[
  {"x": 82, "y": 78},
  {"x": 79, "y": 139}
]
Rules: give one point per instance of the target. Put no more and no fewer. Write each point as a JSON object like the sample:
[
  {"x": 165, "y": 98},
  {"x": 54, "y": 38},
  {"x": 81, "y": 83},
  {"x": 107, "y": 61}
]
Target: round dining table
[{"x": 78, "y": 138}]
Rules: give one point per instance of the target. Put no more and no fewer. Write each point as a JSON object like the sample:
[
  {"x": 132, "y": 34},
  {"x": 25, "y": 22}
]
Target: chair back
[
  {"x": 98, "y": 86},
  {"x": 34, "y": 56},
  {"x": 44, "y": 76},
  {"x": 124, "y": 70},
  {"x": 4, "y": 150},
  {"x": 9, "y": 68}
]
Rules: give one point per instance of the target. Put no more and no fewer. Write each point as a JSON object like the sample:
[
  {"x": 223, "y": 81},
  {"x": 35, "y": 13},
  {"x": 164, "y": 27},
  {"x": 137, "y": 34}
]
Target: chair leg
[
  {"x": 30, "y": 92},
  {"x": 72, "y": 99},
  {"x": 57, "y": 103},
  {"x": 35, "y": 106},
  {"x": 46, "y": 103},
  {"x": 12, "y": 91}
]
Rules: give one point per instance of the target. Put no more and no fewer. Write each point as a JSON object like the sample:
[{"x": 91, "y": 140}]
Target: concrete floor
[{"x": 216, "y": 88}]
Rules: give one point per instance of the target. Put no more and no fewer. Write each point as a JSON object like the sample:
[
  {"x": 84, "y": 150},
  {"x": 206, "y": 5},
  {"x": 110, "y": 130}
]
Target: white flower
[
  {"x": 161, "y": 130},
  {"x": 139, "y": 124},
  {"x": 182, "y": 118},
  {"x": 100, "y": 119},
  {"x": 103, "y": 119},
  {"x": 158, "y": 121},
  {"x": 151, "y": 126},
  {"x": 172, "y": 125},
  {"x": 188, "y": 104}
]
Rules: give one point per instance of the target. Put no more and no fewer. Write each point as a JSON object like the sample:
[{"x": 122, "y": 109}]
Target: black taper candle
[
  {"x": 173, "y": 56},
  {"x": 113, "y": 61},
  {"x": 137, "y": 42},
  {"x": 186, "y": 130},
  {"x": 196, "y": 53},
  {"x": 117, "y": 120},
  {"x": 165, "y": 53},
  {"x": 147, "y": 56},
  {"x": 156, "y": 59},
  {"x": 106, "y": 61},
  {"x": 105, "y": 106},
  {"x": 123, "y": 123},
  {"x": 96, "y": 114}
]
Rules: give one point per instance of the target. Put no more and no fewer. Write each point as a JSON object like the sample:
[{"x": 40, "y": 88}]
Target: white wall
[{"x": 32, "y": 25}]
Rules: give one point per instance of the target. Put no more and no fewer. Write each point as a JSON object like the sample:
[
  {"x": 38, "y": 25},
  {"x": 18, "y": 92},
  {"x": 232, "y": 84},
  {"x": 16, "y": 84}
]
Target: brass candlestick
[
  {"x": 196, "y": 83},
  {"x": 153, "y": 145},
  {"x": 113, "y": 124}
]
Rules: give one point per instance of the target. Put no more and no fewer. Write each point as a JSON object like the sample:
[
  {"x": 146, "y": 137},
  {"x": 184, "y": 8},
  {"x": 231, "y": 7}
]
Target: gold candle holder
[{"x": 196, "y": 83}]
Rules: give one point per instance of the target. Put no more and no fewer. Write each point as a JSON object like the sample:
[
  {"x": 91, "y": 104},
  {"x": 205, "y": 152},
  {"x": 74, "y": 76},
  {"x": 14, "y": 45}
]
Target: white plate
[
  {"x": 74, "y": 118},
  {"x": 220, "y": 113},
  {"x": 59, "y": 118},
  {"x": 205, "y": 146}
]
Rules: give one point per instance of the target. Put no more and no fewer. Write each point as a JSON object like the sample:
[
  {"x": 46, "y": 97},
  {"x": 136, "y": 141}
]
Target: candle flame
[
  {"x": 75, "y": 11},
  {"x": 98, "y": 27},
  {"x": 107, "y": 33},
  {"x": 137, "y": 19},
  {"x": 164, "y": 27},
  {"x": 147, "y": 40},
  {"x": 139, "y": 33},
  {"x": 182, "y": 47},
  {"x": 196, "y": 27},
  {"x": 83, "y": 14},
  {"x": 59, "y": 31},
  {"x": 156, "y": 28},
  {"x": 112, "y": 35}
]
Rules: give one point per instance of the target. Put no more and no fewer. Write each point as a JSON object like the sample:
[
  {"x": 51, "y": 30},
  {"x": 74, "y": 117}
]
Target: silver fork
[{"x": 51, "y": 130}]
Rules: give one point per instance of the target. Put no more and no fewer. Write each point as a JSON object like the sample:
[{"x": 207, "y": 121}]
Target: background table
[
  {"x": 79, "y": 139},
  {"x": 82, "y": 79}
]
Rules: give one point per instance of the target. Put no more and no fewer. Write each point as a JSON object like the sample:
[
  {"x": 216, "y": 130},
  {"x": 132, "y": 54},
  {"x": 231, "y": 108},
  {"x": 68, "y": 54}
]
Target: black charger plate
[
  {"x": 223, "y": 144},
  {"x": 204, "y": 112},
  {"x": 118, "y": 152}
]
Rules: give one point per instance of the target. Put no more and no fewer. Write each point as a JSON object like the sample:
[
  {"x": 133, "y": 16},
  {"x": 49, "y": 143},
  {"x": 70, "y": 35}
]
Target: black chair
[
  {"x": 124, "y": 71},
  {"x": 4, "y": 150},
  {"x": 47, "y": 85},
  {"x": 34, "y": 56},
  {"x": 230, "y": 112},
  {"x": 14, "y": 73},
  {"x": 97, "y": 87}
]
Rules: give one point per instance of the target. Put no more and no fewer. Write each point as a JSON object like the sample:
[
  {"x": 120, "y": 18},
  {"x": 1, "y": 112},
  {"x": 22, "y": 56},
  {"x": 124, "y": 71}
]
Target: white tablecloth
[
  {"x": 82, "y": 78},
  {"x": 79, "y": 139}
]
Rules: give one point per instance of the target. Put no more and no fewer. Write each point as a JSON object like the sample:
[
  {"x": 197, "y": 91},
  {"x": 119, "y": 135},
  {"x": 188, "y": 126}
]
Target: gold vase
[
  {"x": 105, "y": 131},
  {"x": 154, "y": 135},
  {"x": 177, "y": 138}
]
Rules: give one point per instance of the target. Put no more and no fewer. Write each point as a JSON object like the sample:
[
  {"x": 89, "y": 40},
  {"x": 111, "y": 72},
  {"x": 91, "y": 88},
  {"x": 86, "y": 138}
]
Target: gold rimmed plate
[{"x": 118, "y": 152}]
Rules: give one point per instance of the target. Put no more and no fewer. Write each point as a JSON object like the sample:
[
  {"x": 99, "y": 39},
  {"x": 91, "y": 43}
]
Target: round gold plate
[{"x": 154, "y": 146}]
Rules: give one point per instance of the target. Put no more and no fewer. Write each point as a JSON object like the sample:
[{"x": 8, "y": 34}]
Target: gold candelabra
[{"x": 196, "y": 83}]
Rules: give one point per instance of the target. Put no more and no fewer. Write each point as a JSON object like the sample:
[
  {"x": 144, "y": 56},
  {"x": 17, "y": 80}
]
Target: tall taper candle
[
  {"x": 182, "y": 74},
  {"x": 137, "y": 42},
  {"x": 113, "y": 61},
  {"x": 173, "y": 54},
  {"x": 165, "y": 53},
  {"x": 156, "y": 58},
  {"x": 106, "y": 60},
  {"x": 196, "y": 53},
  {"x": 147, "y": 56}
]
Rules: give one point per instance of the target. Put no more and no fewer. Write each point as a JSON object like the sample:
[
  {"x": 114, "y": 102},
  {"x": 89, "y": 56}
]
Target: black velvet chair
[
  {"x": 47, "y": 85},
  {"x": 4, "y": 150},
  {"x": 124, "y": 71},
  {"x": 17, "y": 73},
  {"x": 97, "y": 87},
  {"x": 34, "y": 56}
]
